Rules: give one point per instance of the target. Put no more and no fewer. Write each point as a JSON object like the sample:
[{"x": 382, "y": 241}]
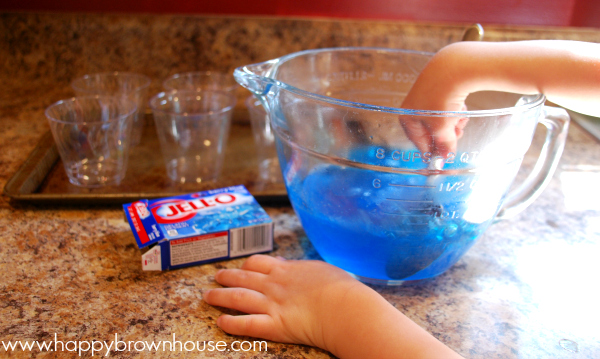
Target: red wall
[{"x": 518, "y": 12}]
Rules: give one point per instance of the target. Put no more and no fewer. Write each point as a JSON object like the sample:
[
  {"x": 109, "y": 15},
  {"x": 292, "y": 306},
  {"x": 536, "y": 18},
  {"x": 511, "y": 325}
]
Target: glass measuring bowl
[{"x": 369, "y": 200}]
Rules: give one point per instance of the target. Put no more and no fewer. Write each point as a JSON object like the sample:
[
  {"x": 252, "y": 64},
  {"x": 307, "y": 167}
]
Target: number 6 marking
[{"x": 377, "y": 183}]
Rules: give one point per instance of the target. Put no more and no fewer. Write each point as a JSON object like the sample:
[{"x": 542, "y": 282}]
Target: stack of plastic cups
[
  {"x": 193, "y": 128},
  {"x": 128, "y": 86},
  {"x": 92, "y": 135},
  {"x": 192, "y": 119}
]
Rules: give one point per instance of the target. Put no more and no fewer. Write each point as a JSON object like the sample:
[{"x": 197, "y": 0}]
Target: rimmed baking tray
[{"x": 42, "y": 179}]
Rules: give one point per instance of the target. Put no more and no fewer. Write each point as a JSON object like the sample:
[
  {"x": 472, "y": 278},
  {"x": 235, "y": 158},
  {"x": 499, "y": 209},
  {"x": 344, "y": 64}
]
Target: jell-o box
[{"x": 199, "y": 228}]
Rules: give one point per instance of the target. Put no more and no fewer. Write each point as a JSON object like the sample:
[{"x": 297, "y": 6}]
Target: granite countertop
[{"x": 527, "y": 289}]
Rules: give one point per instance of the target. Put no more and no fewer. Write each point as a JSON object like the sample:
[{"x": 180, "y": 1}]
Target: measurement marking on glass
[
  {"x": 406, "y": 215},
  {"x": 410, "y": 185},
  {"x": 407, "y": 200}
]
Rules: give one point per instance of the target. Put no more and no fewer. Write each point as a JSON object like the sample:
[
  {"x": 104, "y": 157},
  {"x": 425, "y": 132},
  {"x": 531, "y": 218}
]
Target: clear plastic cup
[
  {"x": 92, "y": 135},
  {"x": 193, "y": 127},
  {"x": 131, "y": 86},
  {"x": 200, "y": 81},
  {"x": 264, "y": 140}
]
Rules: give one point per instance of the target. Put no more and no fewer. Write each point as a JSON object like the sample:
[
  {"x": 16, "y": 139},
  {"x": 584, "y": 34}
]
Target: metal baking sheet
[{"x": 42, "y": 179}]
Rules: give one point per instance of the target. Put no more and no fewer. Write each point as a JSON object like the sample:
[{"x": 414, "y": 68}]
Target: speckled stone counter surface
[{"x": 527, "y": 289}]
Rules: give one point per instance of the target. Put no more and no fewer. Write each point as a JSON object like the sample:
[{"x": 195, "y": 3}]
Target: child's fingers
[
  {"x": 416, "y": 132},
  {"x": 244, "y": 300},
  {"x": 437, "y": 135},
  {"x": 241, "y": 278},
  {"x": 257, "y": 325},
  {"x": 462, "y": 123},
  {"x": 260, "y": 263}
]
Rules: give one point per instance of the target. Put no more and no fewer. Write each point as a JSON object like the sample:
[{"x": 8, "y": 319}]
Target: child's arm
[
  {"x": 315, "y": 303},
  {"x": 567, "y": 72}
]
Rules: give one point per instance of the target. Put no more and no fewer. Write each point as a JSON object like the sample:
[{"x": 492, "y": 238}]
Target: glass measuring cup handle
[{"x": 556, "y": 121}]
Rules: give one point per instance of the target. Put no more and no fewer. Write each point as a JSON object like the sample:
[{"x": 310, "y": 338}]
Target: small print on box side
[{"x": 199, "y": 228}]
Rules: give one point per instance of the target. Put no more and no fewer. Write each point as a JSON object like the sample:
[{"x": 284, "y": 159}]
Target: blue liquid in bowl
[{"x": 388, "y": 227}]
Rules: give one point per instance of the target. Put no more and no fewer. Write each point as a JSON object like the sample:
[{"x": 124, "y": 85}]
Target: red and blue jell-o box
[{"x": 199, "y": 228}]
